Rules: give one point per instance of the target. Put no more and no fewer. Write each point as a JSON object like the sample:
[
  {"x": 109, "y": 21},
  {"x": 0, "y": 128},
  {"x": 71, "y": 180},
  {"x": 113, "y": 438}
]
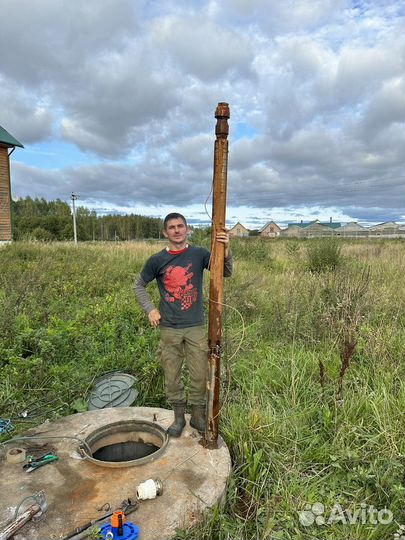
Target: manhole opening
[
  {"x": 127, "y": 443},
  {"x": 125, "y": 451}
]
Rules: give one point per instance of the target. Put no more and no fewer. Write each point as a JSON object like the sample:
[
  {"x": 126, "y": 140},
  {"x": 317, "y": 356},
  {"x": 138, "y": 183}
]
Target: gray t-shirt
[{"x": 179, "y": 275}]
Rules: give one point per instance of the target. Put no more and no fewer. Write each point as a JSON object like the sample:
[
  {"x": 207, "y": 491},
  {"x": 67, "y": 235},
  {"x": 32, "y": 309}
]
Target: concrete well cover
[{"x": 194, "y": 479}]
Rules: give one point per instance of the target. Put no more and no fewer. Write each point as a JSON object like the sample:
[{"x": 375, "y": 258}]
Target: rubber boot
[
  {"x": 197, "y": 420},
  {"x": 175, "y": 429}
]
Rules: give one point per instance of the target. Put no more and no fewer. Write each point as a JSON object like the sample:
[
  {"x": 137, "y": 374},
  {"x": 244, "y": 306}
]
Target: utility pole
[
  {"x": 216, "y": 275},
  {"x": 74, "y": 198}
]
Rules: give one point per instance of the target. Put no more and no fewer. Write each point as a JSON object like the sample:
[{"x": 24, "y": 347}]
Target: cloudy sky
[{"x": 115, "y": 100}]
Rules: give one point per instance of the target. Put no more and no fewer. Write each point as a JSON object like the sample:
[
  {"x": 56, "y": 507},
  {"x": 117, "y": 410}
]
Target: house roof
[
  {"x": 353, "y": 225},
  {"x": 8, "y": 140},
  {"x": 385, "y": 223},
  {"x": 333, "y": 225},
  {"x": 269, "y": 223},
  {"x": 240, "y": 225}
]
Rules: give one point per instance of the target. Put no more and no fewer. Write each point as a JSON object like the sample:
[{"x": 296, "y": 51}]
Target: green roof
[
  {"x": 333, "y": 225},
  {"x": 7, "y": 139}
]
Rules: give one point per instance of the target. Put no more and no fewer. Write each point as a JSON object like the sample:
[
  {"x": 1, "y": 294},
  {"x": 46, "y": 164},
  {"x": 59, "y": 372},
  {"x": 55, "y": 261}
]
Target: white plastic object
[{"x": 149, "y": 489}]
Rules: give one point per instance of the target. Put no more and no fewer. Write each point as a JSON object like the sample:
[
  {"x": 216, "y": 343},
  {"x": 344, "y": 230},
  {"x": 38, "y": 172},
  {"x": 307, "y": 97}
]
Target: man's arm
[{"x": 145, "y": 302}]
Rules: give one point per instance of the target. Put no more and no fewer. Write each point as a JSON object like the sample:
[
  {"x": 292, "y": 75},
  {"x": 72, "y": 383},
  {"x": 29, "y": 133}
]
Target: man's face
[{"x": 176, "y": 231}]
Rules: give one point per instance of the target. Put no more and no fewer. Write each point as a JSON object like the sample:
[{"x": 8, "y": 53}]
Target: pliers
[{"x": 35, "y": 463}]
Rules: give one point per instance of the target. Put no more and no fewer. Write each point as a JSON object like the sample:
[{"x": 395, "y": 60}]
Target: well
[
  {"x": 194, "y": 478},
  {"x": 125, "y": 443}
]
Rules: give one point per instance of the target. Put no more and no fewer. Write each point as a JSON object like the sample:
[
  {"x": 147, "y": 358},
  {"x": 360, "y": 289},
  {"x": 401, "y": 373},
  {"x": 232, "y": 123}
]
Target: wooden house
[
  {"x": 238, "y": 230},
  {"x": 271, "y": 229},
  {"x": 7, "y": 141}
]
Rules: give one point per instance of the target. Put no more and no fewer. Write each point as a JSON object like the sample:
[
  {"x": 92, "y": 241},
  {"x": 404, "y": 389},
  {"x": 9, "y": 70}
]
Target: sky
[{"x": 114, "y": 100}]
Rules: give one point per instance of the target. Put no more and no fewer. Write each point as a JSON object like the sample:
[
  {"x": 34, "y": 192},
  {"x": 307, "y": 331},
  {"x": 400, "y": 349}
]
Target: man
[{"x": 178, "y": 270}]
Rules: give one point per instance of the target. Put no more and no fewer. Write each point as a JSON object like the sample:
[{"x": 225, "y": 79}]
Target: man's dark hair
[{"x": 173, "y": 215}]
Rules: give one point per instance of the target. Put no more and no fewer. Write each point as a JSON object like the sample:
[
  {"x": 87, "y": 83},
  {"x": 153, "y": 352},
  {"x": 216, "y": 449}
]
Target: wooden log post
[
  {"x": 12, "y": 528},
  {"x": 216, "y": 275}
]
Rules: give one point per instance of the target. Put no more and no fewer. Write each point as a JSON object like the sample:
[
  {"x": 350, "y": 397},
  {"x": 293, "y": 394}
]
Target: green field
[{"x": 313, "y": 371}]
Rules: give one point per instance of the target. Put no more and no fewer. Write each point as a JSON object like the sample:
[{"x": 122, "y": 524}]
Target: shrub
[
  {"x": 39, "y": 233},
  {"x": 293, "y": 247},
  {"x": 323, "y": 254}
]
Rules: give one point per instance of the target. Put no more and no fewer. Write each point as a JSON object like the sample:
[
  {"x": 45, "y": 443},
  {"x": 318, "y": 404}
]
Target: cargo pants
[{"x": 179, "y": 345}]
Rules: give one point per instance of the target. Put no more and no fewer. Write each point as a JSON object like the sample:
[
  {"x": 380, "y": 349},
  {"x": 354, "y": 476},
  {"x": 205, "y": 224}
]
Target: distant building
[
  {"x": 239, "y": 230},
  {"x": 388, "y": 228},
  {"x": 312, "y": 228},
  {"x": 6, "y": 141},
  {"x": 318, "y": 229},
  {"x": 384, "y": 226},
  {"x": 352, "y": 229},
  {"x": 271, "y": 229}
]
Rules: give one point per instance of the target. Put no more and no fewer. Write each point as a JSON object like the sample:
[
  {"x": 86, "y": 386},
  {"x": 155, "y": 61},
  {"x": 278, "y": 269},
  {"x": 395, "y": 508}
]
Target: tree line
[{"x": 40, "y": 219}]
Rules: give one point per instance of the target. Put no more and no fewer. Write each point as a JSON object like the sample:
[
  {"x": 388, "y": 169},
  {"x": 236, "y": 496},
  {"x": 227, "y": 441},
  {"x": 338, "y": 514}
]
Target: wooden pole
[
  {"x": 217, "y": 275},
  {"x": 12, "y": 528}
]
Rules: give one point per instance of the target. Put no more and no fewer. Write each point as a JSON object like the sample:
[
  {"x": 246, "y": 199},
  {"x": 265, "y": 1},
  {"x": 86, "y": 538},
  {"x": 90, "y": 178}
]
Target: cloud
[
  {"x": 224, "y": 52},
  {"x": 45, "y": 43},
  {"x": 23, "y": 113},
  {"x": 316, "y": 86}
]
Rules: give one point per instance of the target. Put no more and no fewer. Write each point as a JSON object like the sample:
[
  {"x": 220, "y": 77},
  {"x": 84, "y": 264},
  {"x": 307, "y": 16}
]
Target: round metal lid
[{"x": 113, "y": 390}]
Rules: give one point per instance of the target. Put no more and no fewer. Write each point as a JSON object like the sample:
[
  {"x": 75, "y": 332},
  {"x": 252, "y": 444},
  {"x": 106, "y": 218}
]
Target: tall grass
[{"x": 296, "y": 438}]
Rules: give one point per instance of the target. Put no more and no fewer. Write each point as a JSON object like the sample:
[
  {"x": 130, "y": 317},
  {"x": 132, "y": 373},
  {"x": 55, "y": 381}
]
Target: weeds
[
  {"x": 67, "y": 315},
  {"x": 345, "y": 307},
  {"x": 323, "y": 254}
]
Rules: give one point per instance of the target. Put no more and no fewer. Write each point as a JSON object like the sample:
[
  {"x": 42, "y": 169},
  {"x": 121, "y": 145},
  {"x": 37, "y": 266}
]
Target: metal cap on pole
[{"x": 217, "y": 274}]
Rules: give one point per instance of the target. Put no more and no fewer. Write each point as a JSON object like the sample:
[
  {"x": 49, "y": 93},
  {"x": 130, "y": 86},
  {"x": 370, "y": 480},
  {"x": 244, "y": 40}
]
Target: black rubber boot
[
  {"x": 197, "y": 420},
  {"x": 176, "y": 428}
]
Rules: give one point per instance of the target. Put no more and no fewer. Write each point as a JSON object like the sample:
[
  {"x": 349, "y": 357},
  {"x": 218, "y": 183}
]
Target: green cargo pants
[{"x": 176, "y": 346}]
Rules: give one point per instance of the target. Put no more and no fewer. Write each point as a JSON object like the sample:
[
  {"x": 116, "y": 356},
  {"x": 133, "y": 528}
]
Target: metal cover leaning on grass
[{"x": 113, "y": 390}]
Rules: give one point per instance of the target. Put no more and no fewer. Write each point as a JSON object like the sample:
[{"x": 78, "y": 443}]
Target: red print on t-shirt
[{"x": 177, "y": 282}]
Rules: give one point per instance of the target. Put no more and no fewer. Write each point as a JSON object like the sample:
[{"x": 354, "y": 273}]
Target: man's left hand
[{"x": 223, "y": 237}]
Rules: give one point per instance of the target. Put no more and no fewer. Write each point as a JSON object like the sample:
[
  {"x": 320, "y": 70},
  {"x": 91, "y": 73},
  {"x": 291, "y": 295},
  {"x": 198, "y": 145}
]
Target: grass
[{"x": 296, "y": 437}]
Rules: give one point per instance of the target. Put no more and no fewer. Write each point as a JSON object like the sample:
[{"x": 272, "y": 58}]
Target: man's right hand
[{"x": 154, "y": 318}]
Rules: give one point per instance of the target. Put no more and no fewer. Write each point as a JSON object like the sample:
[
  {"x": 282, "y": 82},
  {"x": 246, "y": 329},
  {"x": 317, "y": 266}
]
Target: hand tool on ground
[
  {"x": 35, "y": 463},
  {"x": 127, "y": 506},
  {"x": 33, "y": 512}
]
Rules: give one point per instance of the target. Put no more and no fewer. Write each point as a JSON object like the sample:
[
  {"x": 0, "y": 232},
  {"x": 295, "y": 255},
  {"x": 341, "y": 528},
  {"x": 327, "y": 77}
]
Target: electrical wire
[
  {"x": 181, "y": 463},
  {"x": 50, "y": 437},
  {"x": 226, "y": 397},
  {"x": 17, "y": 510}
]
